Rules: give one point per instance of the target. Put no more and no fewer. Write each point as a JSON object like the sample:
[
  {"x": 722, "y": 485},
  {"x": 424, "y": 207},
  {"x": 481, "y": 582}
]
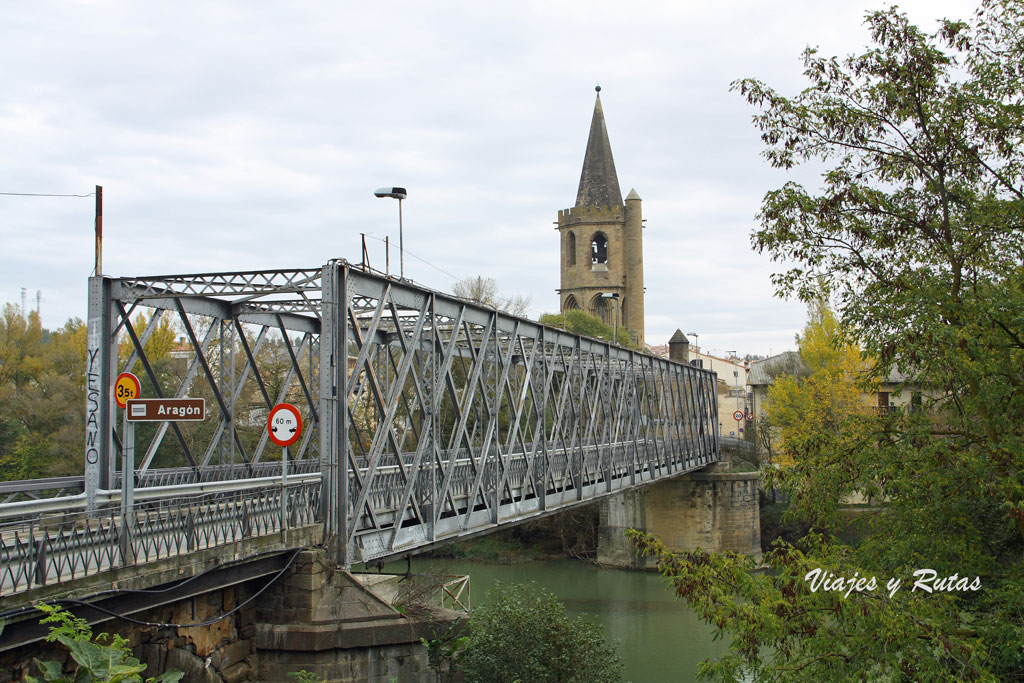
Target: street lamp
[
  {"x": 695, "y": 346},
  {"x": 615, "y": 315},
  {"x": 398, "y": 193}
]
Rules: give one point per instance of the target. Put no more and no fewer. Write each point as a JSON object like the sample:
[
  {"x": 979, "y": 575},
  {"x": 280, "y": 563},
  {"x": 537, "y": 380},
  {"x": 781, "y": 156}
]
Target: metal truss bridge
[{"x": 427, "y": 418}]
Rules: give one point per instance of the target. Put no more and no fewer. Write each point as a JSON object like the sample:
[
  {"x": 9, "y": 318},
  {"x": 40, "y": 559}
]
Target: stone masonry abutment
[{"x": 712, "y": 510}]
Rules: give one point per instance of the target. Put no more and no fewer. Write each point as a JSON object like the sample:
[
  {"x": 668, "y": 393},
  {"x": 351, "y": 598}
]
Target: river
[{"x": 659, "y": 639}]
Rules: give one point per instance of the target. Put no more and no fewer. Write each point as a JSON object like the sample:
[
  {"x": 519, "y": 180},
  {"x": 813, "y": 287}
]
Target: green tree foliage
[
  {"x": 523, "y": 634},
  {"x": 588, "y": 325},
  {"x": 918, "y": 232},
  {"x": 96, "y": 661},
  {"x": 42, "y": 396}
]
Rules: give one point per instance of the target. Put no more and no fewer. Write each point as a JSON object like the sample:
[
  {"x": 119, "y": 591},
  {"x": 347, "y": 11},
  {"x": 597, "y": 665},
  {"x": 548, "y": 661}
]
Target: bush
[
  {"x": 95, "y": 661},
  {"x": 522, "y": 633}
]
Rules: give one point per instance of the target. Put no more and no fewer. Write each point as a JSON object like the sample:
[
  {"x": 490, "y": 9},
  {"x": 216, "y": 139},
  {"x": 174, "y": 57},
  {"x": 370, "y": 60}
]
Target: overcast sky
[{"x": 246, "y": 135}]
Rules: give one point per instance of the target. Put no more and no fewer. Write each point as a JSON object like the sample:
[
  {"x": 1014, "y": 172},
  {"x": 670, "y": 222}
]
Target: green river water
[{"x": 659, "y": 639}]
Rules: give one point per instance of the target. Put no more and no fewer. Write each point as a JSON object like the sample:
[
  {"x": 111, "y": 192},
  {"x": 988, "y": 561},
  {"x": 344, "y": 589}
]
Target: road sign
[
  {"x": 125, "y": 387},
  {"x": 284, "y": 424},
  {"x": 738, "y": 415},
  {"x": 166, "y": 410},
  {"x": 750, "y": 417}
]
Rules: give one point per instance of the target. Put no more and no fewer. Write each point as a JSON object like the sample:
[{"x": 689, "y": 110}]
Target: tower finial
[{"x": 597, "y": 88}]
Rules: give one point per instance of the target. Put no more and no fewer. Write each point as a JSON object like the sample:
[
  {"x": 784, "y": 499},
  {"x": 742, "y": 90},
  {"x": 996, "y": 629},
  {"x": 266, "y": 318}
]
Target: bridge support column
[
  {"x": 341, "y": 627},
  {"x": 714, "y": 511}
]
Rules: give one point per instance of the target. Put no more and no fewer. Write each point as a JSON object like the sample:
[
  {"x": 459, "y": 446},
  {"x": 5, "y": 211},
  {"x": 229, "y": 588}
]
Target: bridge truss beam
[{"x": 429, "y": 417}]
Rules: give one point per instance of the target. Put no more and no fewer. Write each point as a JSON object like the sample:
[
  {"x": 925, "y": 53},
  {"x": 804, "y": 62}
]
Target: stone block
[
  {"x": 230, "y": 654},
  {"x": 237, "y": 672}
]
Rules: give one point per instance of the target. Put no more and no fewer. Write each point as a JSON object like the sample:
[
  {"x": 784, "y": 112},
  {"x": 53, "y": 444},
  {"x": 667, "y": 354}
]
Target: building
[
  {"x": 896, "y": 392},
  {"x": 602, "y": 264},
  {"x": 731, "y": 386}
]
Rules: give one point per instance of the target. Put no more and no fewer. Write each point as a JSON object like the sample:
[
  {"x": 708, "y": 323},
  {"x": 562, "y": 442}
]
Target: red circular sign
[
  {"x": 284, "y": 424},
  {"x": 738, "y": 415},
  {"x": 126, "y": 386}
]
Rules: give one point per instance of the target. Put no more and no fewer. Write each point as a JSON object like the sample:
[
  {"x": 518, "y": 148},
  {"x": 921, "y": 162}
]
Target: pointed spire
[{"x": 599, "y": 185}]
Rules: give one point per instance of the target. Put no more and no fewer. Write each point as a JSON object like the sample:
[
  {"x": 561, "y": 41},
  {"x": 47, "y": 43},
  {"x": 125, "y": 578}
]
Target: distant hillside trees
[{"x": 42, "y": 396}]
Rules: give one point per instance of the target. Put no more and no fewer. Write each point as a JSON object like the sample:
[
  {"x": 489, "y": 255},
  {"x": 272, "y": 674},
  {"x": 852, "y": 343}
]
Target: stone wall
[
  {"x": 316, "y": 617},
  {"x": 219, "y": 653},
  {"x": 714, "y": 511}
]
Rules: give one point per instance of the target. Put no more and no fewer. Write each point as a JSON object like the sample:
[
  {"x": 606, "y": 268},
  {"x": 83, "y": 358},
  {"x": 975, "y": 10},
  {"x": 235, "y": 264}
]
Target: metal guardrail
[{"x": 49, "y": 544}]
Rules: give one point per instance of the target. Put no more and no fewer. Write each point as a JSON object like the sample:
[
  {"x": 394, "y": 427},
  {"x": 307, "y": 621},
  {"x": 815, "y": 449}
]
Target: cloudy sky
[{"x": 246, "y": 135}]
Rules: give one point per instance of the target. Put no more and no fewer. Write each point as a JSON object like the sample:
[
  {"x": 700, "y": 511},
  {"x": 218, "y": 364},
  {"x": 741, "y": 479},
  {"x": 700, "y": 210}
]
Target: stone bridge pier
[{"x": 713, "y": 509}]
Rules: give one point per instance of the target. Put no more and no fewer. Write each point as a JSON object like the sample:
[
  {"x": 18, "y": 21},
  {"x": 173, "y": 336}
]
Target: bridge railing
[{"x": 51, "y": 541}]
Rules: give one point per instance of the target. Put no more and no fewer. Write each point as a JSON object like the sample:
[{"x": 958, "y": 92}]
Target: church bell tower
[{"x": 602, "y": 242}]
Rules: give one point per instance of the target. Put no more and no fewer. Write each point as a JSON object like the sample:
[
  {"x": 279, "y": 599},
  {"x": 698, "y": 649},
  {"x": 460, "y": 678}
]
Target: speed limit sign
[{"x": 738, "y": 415}]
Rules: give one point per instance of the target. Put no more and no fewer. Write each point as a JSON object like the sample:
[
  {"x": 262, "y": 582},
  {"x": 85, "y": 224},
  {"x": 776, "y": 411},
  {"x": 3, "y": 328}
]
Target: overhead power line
[{"x": 41, "y": 194}]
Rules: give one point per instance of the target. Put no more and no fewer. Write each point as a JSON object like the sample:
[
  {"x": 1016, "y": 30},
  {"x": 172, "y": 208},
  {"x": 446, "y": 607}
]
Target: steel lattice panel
[
  {"x": 457, "y": 418},
  {"x": 427, "y": 418}
]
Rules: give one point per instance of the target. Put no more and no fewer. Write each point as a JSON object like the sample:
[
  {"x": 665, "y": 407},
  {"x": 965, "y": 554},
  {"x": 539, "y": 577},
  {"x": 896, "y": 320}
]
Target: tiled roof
[{"x": 765, "y": 371}]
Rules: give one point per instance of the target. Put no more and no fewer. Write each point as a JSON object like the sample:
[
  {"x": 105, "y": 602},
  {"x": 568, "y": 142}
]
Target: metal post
[
  {"x": 128, "y": 491},
  {"x": 401, "y": 241},
  {"x": 284, "y": 488},
  {"x": 334, "y": 410},
  {"x": 99, "y": 230},
  {"x": 99, "y": 392}
]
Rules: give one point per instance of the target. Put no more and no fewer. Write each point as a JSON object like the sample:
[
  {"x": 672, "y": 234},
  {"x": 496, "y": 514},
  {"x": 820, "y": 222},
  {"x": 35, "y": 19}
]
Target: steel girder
[
  {"x": 243, "y": 341},
  {"x": 429, "y": 417},
  {"x": 448, "y": 418}
]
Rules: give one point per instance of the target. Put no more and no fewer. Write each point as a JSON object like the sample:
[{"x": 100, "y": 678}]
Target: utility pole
[{"x": 99, "y": 230}]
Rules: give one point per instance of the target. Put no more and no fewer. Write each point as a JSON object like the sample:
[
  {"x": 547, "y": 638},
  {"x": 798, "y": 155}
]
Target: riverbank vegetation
[
  {"x": 522, "y": 633},
  {"x": 916, "y": 236}
]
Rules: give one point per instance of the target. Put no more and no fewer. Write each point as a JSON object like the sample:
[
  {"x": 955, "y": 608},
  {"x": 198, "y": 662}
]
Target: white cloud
[{"x": 217, "y": 128}]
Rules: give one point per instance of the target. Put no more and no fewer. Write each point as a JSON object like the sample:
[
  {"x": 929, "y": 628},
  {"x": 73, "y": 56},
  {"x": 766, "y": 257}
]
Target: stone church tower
[{"x": 602, "y": 241}]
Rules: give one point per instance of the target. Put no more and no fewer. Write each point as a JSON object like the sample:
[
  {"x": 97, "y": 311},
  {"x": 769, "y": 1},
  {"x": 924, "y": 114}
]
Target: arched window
[
  {"x": 602, "y": 308},
  {"x": 599, "y": 248},
  {"x": 571, "y": 248},
  {"x": 570, "y": 303}
]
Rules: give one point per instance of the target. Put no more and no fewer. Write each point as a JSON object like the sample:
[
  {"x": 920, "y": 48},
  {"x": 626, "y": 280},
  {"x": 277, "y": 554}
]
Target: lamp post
[
  {"x": 398, "y": 193},
  {"x": 615, "y": 315},
  {"x": 696, "y": 346}
]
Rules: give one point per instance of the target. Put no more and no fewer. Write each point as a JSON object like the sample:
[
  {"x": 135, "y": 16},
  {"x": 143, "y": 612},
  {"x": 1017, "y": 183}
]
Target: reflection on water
[{"x": 660, "y": 640}]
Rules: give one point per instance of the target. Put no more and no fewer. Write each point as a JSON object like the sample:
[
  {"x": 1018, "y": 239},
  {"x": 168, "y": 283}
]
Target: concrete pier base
[
  {"x": 714, "y": 511},
  {"x": 341, "y": 627}
]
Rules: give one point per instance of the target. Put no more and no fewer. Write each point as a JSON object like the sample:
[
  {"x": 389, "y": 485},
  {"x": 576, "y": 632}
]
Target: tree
[
  {"x": 42, "y": 396},
  {"x": 918, "y": 232},
  {"x": 484, "y": 291},
  {"x": 818, "y": 419},
  {"x": 21, "y": 341},
  {"x": 588, "y": 325},
  {"x": 523, "y": 634}
]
